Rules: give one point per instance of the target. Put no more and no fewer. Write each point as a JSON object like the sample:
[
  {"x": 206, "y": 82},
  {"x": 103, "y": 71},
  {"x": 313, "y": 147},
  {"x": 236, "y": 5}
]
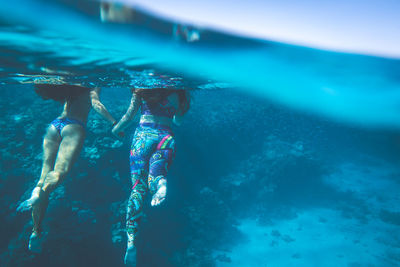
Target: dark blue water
[{"x": 287, "y": 157}]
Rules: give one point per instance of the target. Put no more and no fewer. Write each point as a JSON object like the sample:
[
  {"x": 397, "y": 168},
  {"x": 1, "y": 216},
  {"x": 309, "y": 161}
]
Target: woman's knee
[
  {"x": 62, "y": 168},
  {"x": 53, "y": 179}
]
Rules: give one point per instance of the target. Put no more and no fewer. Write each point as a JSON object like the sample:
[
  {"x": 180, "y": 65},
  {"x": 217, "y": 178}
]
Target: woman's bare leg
[
  {"x": 51, "y": 143},
  {"x": 71, "y": 144},
  {"x": 73, "y": 136}
]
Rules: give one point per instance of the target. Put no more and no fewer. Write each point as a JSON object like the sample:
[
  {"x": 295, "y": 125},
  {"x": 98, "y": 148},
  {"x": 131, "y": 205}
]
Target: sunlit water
[{"x": 288, "y": 156}]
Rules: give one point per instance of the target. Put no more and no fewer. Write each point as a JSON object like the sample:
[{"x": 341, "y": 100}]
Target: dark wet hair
[
  {"x": 60, "y": 92},
  {"x": 156, "y": 95}
]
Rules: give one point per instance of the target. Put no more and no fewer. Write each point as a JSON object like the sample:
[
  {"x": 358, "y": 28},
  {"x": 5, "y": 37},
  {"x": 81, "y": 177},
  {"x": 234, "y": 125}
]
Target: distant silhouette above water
[{"x": 120, "y": 13}]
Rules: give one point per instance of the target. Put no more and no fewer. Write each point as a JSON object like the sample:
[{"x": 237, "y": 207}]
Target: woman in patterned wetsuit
[{"x": 152, "y": 151}]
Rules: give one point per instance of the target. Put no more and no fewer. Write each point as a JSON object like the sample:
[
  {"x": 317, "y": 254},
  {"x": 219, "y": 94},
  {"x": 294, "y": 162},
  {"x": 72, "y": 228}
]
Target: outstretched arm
[
  {"x": 129, "y": 115},
  {"x": 99, "y": 107}
]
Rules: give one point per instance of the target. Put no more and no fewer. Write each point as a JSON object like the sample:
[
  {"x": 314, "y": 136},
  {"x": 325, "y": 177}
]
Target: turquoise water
[{"x": 288, "y": 156}]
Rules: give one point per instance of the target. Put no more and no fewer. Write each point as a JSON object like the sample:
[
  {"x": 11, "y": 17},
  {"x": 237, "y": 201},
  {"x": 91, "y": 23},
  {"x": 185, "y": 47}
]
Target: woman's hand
[{"x": 117, "y": 133}]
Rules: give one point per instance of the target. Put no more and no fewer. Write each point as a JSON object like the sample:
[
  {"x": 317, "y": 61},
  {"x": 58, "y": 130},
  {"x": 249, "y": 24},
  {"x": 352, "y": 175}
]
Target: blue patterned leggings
[{"x": 152, "y": 152}]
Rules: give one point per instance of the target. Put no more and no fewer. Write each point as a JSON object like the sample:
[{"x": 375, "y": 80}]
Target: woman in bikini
[
  {"x": 152, "y": 151},
  {"x": 62, "y": 144}
]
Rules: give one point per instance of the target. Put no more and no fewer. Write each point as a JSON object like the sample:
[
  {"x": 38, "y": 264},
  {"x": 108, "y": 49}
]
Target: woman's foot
[
  {"x": 130, "y": 255},
  {"x": 29, "y": 203},
  {"x": 35, "y": 242},
  {"x": 160, "y": 194}
]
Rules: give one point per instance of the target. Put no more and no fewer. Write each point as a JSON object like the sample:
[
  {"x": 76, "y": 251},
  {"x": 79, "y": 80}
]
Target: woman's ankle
[
  {"x": 36, "y": 233},
  {"x": 130, "y": 240}
]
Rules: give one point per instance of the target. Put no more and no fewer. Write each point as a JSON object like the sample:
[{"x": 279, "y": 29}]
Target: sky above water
[{"x": 367, "y": 27}]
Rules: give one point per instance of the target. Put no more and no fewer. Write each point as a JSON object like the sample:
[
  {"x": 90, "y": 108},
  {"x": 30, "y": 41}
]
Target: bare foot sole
[
  {"x": 35, "y": 243},
  {"x": 159, "y": 196},
  {"x": 130, "y": 256},
  {"x": 29, "y": 203}
]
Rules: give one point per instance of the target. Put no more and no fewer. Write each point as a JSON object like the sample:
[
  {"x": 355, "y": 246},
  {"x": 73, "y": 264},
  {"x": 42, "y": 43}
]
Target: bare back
[{"x": 78, "y": 108}]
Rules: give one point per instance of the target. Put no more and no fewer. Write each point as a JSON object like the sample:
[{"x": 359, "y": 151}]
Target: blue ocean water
[{"x": 287, "y": 157}]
